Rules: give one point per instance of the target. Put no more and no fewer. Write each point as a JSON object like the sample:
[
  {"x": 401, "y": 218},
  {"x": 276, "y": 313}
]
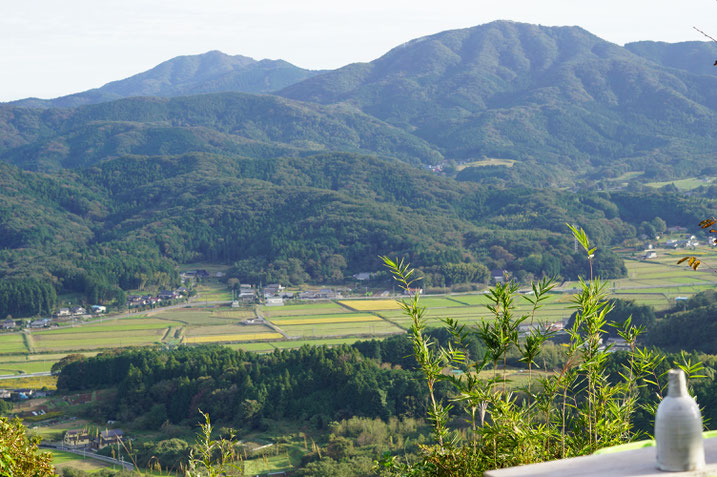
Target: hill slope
[
  {"x": 558, "y": 97},
  {"x": 229, "y": 123},
  {"x": 695, "y": 57}
]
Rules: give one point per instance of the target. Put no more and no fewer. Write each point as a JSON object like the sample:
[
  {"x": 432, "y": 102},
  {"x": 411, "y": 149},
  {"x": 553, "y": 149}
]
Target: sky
[{"x": 52, "y": 48}]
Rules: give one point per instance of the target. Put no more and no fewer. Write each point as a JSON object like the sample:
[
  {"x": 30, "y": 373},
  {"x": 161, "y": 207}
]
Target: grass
[
  {"x": 24, "y": 367},
  {"x": 260, "y": 466},
  {"x": 62, "y": 460},
  {"x": 255, "y": 347}
]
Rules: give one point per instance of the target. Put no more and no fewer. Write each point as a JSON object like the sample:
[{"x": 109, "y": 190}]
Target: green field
[
  {"x": 226, "y": 330},
  {"x": 342, "y": 329},
  {"x": 204, "y": 316},
  {"x": 12, "y": 343},
  {"x": 95, "y": 339},
  {"x": 291, "y": 344},
  {"x": 487, "y": 162},
  {"x": 684, "y": 184},
  {"x": 62, "y": 460}
]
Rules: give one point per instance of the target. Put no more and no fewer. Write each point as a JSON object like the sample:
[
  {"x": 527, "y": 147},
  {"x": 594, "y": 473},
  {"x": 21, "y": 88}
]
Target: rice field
[
  {"x": 12, "y": 343},
  {"x": 290, "y": 344},
  {"x": 303, "y": 309},
  {"x": 204, "y": 316},
  {"x": 371, "y": 305},
  {"x": 233, "y": 337},
  {"x": 341, "y": 329},
  {"x": 352, "y": 318},
  {"x": 135, "y": 331},
  {"x": 225, "y": 330}
]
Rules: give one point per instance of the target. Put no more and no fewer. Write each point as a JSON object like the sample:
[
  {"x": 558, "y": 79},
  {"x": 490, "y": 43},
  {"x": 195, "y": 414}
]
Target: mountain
[
  {"x": 696, "y": 57},
  {"x": 317, "y": 182},
  {"x": 210, "y": 72},
  {"x": 227, "y": 123},
  {"x": 557, "y": 98}
]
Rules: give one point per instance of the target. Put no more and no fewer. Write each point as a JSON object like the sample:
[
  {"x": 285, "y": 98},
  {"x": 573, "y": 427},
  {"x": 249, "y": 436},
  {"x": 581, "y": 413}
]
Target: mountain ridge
[{"x": 210, "y": 72}]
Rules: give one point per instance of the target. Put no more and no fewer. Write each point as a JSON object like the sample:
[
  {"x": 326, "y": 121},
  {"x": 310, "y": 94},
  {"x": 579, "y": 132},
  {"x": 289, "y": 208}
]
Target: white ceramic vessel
[{"x": 678, "y": 428}]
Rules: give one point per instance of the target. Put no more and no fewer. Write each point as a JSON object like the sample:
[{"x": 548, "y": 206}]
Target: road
[{"x": 15, "y": 376}]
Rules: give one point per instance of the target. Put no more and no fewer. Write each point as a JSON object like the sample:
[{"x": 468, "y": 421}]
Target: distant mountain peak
[{"x": 210, "y": 72}]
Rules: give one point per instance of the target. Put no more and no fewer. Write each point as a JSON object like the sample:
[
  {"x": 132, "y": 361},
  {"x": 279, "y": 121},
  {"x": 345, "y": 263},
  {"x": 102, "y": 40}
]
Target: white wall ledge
[{"x": 637, "y": 462}]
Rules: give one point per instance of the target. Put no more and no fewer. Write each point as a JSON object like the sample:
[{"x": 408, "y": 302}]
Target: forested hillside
[
  {"x": 126, "y": 222},
  {"x": 229, "y": 123},
  {"x": 104, "y": 198}
]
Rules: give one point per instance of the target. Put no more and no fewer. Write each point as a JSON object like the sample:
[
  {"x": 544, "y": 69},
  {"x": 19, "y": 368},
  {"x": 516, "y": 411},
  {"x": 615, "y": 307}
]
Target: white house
[{"x": 275, "y": 301}]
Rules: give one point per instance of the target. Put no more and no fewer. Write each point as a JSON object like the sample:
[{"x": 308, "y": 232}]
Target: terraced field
[{"x": 655, "y": 282}]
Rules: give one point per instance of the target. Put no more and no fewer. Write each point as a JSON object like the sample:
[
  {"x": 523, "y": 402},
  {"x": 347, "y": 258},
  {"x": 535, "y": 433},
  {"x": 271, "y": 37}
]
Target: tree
[
  {"x": 70, "y": 358},
  {"x": 19, "y": 455}
]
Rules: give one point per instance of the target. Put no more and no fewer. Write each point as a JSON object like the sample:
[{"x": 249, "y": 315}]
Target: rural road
[{"x": 15, "y": 376}]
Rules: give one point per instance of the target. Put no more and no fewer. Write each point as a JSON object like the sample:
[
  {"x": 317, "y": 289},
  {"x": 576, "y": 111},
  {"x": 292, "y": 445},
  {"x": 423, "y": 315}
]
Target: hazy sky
[{"x": 51, "y": 48}]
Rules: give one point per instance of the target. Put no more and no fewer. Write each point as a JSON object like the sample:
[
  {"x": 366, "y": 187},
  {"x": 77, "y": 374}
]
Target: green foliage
[
  {"x": 213, "y": 458},
  {"x": 584, "y": 406},
  {"x": 19, "y": 454},
  {"x": 240, "y": 389},
  {"x": 688, "y": 326}
]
